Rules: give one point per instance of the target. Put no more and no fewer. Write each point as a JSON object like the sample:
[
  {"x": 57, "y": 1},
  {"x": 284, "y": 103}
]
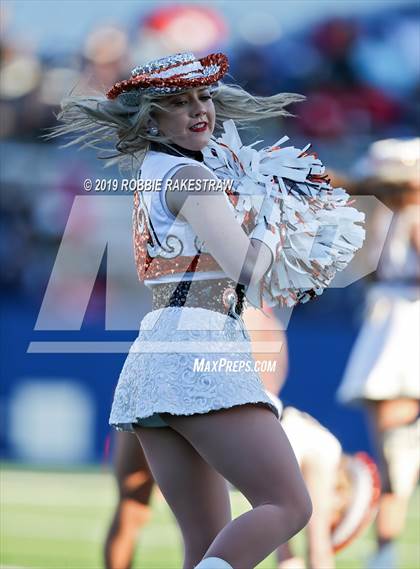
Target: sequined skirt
[{"x": 186, "y": 360}]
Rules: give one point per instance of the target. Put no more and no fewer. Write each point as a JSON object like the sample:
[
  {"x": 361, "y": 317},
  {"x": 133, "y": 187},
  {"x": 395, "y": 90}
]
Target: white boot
[{"x": 213, "y": 563}]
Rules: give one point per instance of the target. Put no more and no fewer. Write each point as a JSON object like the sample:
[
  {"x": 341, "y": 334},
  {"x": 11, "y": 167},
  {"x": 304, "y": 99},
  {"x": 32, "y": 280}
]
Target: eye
[
  {"x": 180, "y": 103},
  {"x": 206, "y": 97}
]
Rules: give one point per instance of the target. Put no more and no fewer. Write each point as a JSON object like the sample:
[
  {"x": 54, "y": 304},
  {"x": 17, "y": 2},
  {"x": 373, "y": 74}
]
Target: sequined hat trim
[{"x": 170, "y": 75}]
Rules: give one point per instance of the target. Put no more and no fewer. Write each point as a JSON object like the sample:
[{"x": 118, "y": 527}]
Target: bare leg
[
  {"x": 195, "y": 492},
  {"x": 135, "y": 484},
  {"x": 247, "y": 445},
  {"x": 264, "y": 330},
  {"x": 320, "y": 477},
  {"x": 386, "y": 415}
]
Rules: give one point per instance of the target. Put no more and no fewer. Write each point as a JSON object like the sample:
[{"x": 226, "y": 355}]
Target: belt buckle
[{"x": 229, "y": 298}]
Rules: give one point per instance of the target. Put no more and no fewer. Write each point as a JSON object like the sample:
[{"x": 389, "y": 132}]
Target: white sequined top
[{"x": 165, "y": 245}]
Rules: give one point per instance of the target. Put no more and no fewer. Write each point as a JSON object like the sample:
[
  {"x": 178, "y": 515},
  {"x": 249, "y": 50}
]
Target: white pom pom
[{"x": 316, "y": 231}]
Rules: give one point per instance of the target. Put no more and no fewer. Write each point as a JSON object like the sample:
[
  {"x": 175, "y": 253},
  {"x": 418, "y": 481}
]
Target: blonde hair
[{"x": 122, "y": 131}]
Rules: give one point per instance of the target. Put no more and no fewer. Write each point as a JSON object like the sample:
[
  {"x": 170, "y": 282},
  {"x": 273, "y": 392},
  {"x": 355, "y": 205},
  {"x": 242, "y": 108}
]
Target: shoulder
[{"x": 189, "y": 180}]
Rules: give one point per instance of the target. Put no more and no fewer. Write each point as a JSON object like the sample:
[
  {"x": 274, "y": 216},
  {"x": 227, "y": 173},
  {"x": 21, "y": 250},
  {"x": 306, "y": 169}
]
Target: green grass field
[{"x": 58, "y": 520}]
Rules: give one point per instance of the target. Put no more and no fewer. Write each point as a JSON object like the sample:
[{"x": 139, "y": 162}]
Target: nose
[{"x": 198, "y": 108}]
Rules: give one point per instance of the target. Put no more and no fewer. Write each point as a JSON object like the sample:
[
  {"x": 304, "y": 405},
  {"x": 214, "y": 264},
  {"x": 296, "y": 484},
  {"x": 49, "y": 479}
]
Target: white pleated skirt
[
  {"x": 384, "y": 363},
  {"x": 186, "y": 361}
]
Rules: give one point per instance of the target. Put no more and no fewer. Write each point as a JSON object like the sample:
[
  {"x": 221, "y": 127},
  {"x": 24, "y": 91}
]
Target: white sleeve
[
  {"x": 212, "y": 217},
  {"x": 163, "y": 192}
]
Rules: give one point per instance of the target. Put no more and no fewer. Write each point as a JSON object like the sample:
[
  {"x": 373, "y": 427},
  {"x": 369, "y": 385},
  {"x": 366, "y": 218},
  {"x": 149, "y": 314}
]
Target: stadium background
[{"x": 357, "y": 63}]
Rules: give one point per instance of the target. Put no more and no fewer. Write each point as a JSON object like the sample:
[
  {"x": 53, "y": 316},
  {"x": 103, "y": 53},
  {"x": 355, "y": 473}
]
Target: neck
[{"x": 176, "y": 150}]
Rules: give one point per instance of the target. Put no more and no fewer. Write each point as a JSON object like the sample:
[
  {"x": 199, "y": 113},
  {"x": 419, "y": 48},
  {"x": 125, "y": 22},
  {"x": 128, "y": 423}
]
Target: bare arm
[
  {"x": 211, "y": 217},
  {"x": 268, "y": 331}
]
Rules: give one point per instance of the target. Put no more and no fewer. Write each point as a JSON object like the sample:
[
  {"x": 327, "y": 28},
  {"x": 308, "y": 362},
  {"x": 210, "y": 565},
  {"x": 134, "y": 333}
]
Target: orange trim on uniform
[{"x": 154, "y": 267}]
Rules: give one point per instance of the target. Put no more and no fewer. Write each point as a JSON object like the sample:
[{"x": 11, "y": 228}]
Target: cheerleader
[
  {"x": 383, "y": 370},
  {"x": 202, "y": 426},
  {"x": 344, "y": 490}
]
